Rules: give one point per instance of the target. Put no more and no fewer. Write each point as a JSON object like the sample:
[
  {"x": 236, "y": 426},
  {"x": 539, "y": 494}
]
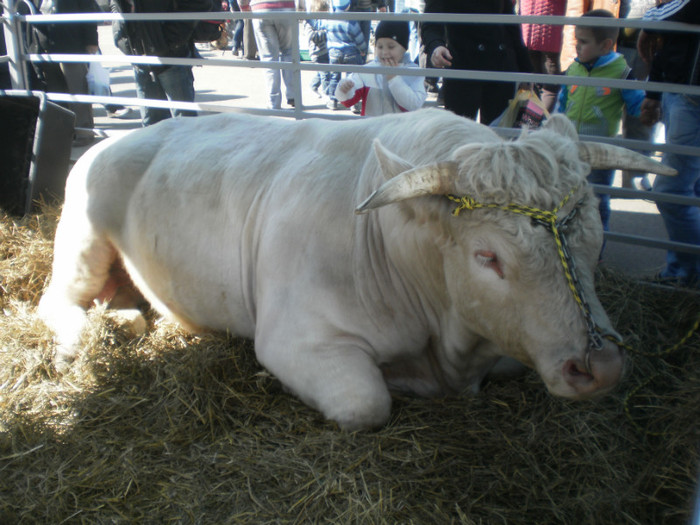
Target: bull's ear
[
  {"x": 561, "y": 125},
  {"x": 390, "y": 164}
]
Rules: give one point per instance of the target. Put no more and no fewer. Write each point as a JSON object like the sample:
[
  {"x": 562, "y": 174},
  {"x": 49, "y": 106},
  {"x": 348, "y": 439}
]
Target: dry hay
[{"x": 177, "y": 428}]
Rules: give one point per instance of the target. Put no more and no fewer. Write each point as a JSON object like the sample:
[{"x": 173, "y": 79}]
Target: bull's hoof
[
  {"x": 367, "y": 413},
  {"x": 129, "y": 321},
  {"x": 63, "y": 360}
]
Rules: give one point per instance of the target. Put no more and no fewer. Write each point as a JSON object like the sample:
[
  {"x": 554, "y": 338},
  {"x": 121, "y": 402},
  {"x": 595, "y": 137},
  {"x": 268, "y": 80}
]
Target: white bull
[{"x": 249, "y": 225}]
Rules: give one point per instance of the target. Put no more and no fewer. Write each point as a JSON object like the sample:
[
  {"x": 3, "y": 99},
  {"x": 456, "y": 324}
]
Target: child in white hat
[{"x": 381, "y": 94}]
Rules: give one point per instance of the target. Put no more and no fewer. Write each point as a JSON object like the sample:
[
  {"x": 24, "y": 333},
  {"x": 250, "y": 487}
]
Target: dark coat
[
  {"x": 484, "y": 47},
  {"x": 678, "y": 59},
  {"x": 67, "y": 37},
  {"x": 166, "y": 39}
]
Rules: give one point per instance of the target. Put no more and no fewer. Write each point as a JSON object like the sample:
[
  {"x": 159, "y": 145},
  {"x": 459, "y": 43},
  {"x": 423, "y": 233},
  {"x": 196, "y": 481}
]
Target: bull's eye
[{"x": 489, "y": 259}]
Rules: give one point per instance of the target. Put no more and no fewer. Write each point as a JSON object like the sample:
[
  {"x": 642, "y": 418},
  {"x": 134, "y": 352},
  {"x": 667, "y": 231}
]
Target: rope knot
[{"x": 465, "y": 203}]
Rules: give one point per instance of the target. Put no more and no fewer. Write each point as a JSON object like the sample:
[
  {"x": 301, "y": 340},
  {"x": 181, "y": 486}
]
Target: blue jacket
[{"x": 345, "y": 36}]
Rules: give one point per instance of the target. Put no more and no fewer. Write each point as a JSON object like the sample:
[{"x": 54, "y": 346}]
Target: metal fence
[{"x": 18, "y": 58}]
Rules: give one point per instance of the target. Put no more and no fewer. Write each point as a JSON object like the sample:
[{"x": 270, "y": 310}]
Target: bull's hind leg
[{"x": 81, "y": 266}]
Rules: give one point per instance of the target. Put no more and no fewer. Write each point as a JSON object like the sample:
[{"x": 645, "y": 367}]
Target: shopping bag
[
  {"x": 98, "y": 80},
  {"x": 525, "y": 110}
]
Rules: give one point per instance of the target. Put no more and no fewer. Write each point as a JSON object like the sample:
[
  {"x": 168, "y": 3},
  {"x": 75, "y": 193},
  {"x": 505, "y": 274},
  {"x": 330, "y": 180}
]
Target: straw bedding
[{"x": 175, "y": 428}]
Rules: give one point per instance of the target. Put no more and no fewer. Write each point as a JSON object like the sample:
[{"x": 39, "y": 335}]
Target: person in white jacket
[{"x": 382, "y": 94}]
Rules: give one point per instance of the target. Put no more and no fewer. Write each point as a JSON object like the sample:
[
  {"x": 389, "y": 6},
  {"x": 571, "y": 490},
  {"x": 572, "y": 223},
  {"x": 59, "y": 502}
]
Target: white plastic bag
[{"x": 98, "y": 80}]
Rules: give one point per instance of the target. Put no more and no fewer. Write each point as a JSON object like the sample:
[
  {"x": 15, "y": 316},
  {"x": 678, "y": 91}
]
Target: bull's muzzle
[{"x": 599, "y": 372}]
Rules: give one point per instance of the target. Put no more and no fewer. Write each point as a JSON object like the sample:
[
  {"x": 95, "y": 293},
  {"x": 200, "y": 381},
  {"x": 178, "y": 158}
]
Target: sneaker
[
  {"x": 119, "y": 113},
  {"x": 644, "y": 183},
  {"x": 290, "y": 102},
  {"x": 315, "y": 90},
  {"x": 332, "y": 104},
  {"x": 82, "y": 140},
  {"x": 357, "y": 108},
  {"x": 635, "y": 183}
]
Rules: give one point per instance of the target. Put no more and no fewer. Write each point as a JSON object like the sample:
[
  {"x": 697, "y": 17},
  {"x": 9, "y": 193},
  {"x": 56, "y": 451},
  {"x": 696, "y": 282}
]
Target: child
[
  {"x": 381, "y": 94},
  {"x": 596, "y": 110},
  {"x": 346, "y": 45},
  {"x": 318, "y": 50}
]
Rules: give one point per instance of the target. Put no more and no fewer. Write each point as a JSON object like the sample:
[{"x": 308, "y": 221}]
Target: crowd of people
[{"x": 586, "y": 50}]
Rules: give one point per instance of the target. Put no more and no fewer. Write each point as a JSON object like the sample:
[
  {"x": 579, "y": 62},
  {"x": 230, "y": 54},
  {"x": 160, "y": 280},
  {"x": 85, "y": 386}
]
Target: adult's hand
[
  {"x": 650, "y": 112},
  {"x": 441, "y": 57}
]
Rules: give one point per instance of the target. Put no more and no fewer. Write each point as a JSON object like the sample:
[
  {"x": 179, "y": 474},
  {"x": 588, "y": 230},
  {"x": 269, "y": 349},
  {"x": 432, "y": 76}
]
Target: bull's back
[{"x": 211, "y": 213}]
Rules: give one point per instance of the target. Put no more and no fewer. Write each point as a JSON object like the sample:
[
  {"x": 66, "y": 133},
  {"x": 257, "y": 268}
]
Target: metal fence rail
[{"x": 18, "y": 59}]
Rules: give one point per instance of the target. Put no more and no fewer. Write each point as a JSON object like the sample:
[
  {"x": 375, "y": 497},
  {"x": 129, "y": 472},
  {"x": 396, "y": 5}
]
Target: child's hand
[
  {"x": 389, "y": 62},
  {"x": 346, "y": 85}
]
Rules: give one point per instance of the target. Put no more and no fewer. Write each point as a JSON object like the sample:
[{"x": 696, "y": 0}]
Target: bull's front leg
[{"x": 337, "y": 377}]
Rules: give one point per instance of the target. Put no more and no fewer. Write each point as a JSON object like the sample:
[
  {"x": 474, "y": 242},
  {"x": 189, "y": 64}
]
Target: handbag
[
  {"x": 525, "y": 110},
  {"x": 98, "y": 80}
]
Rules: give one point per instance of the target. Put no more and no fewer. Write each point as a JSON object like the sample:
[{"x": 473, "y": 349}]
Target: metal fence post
[
  {"x": 296, "y": 72},
  {"x": 12, "y": 30}
]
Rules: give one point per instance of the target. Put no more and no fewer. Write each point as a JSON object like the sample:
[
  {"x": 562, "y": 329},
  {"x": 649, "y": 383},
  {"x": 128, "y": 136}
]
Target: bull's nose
[{"x": 604, "y": 373}]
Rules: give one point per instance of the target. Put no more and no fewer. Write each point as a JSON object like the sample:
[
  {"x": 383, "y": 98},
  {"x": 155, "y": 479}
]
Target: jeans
[
  {"x": 274, "y": 40},
  {"x": 681, "y": 116},
  {"x": 339, "y": 57},
  {"x": 604, "y": 178},
  {"x": 170, "y": 83},
  {"x": 321, "y": 79},
  {"x": 237, "y": 35}
]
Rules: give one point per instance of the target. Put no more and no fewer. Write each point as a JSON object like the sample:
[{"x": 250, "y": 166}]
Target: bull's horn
[
  {"x": 606, "y": 156},
  {"x": 433, "y": 179}
]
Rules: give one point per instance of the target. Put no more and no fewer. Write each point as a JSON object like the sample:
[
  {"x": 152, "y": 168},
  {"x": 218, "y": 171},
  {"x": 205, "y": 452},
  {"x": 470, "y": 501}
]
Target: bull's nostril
[{"x": 574, "y": 370}]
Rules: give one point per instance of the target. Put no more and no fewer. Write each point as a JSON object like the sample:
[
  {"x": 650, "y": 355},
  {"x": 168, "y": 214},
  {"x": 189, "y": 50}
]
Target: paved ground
[{"x": 245, "y": 88}]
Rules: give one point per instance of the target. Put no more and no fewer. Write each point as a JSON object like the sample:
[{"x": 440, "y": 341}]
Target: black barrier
[{"x": 35, "y": 145}]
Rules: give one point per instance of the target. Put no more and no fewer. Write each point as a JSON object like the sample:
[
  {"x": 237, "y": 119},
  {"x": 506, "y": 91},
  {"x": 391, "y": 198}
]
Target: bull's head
[{"x": 506, "y": 275}]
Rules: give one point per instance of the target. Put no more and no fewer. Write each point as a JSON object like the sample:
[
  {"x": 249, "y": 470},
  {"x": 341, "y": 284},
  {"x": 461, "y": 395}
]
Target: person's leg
[
  {"x": 366, "y": 26},
  {"x": 238, "y": 36},
  {"x": 325, "y": 75},
  {"x": 147, "y": 87},
  {"x": 494, "y": 98},
  {"x": 75, "y": 74},
  {"x": 285, "y": 36},
  {"x": 605, "y": 178},
  {"x": 316, "y": 81},
  {"x": 633, "y": 129},
  {"x": 681, "y": 114},
  {"x": 462, "y": 97},
  {"x": 55, "y": 81},
  {"x": 177, "y": 82},
  {"x": 335, "y": 57},
  {"x": 269, "y": 50},
  {"x": 250, "y": 48}
]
